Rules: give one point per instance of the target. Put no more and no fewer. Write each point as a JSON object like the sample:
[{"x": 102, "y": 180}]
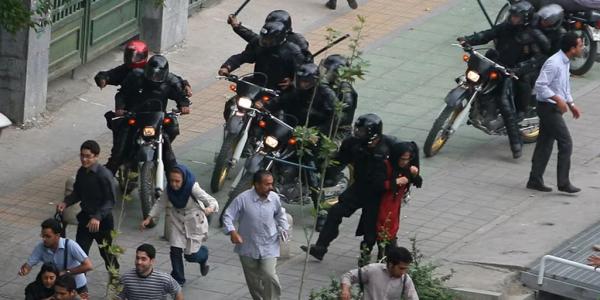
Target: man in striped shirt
[{"x": 144, "y": 282}]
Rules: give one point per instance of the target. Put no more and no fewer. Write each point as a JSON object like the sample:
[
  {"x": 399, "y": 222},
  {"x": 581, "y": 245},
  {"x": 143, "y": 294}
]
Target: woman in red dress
[{"x": 402, "y": 172}]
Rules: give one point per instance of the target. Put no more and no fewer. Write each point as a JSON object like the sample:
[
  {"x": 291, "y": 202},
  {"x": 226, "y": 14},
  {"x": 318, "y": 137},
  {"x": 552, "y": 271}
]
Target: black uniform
[
  {"x": 133, "y": 96},
  {"x": 276, "y": 62},
  {"x": 117, "y": 75},
  {"x": 96, "y": 190},
  {"x": 293, "y": 37},
  {"x": 523, "y": 49},
  {"x": 366, "y": 191}
]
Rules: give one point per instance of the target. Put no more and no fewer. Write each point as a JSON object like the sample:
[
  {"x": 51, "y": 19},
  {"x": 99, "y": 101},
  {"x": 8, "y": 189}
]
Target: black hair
[
  {"x": 568, "y": 41},
  {"x": 52, "y": 224},
  {"x": 258, "y": 176},
  {"x": 149, "y": 249},
  {"x": 66, "y": 281},
  {"x": 92, "y": 146},
  {"x": 47, "y": 267},
  {"x": 396, "y": 255}
]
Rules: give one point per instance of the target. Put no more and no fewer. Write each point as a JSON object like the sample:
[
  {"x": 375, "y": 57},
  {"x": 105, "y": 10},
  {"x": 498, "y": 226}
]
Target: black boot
[
  {"x": 331, "y": 4},
  {"x": 315, "y": 251}
]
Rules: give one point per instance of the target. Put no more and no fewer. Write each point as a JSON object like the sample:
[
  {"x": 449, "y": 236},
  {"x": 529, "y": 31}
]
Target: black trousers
[
  {"x": 552, "y": 127},
  {"x": 85, "y": 238},
  {"x": 351, "y": 200}
]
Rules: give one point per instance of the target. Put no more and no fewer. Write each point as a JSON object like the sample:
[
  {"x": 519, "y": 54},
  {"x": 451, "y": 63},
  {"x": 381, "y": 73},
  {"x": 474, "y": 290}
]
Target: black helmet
[
  {"x": 551, "y": 16},
  {"x": 272, "y": 34},
  {"x": 524, "y": 10},
  {"x": 306, "y": 76},
  {"x": 280, "y": 16},
  {"x": 367, "y": 128},
  {"x": 331, "y": 65},
  {"x": 156, "y": 69}
]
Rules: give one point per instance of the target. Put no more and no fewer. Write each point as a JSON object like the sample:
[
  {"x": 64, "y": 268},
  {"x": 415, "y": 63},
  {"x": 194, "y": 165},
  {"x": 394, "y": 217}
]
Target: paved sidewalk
[{"x": 473, "y": 214}]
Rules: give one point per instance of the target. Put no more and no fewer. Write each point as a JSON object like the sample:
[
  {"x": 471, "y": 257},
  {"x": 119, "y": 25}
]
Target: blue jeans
[{"x": 177, "y": 261}]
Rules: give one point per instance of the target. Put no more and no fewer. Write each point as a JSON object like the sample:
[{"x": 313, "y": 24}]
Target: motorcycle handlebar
[
  {"x": 129, "y": 114},
  {"x": 469, "y": 49},
  {"x": 236, "y": 79}
]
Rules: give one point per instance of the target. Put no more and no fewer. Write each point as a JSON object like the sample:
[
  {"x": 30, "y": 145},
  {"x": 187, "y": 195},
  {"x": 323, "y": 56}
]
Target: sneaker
[{"x": 353, "y": 4}]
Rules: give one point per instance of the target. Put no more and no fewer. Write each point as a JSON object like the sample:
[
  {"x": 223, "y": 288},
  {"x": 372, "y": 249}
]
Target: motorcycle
[
  {"x": 475, "y": 99},
  {"x": 4, "y": 122},
  {"x": 238, "y": 125},
  {"x": 276, "y": 152},
  {"x": 145, "y": 151},
  {"x": 585, "y": 23}
]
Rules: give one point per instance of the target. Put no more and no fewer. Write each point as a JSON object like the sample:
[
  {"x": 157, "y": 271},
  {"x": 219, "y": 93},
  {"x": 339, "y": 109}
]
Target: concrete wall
[
  {"x": 23, "y": 74},
  {"x": 163, "y": 27}
]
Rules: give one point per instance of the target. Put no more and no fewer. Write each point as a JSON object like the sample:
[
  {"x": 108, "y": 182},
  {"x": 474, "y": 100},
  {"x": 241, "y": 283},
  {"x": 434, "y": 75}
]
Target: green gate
[{"x": 85, "y": 29}]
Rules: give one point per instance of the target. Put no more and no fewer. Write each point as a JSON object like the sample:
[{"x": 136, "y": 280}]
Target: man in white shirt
[
  {"x": 383, "y": 281},
  {"x": 553, "y": 93}
]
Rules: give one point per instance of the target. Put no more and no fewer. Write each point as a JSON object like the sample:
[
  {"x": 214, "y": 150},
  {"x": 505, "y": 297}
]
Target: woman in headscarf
[
  {"x": 43, "y": 286},
  {"x": 402, "y": 172},
  {"x": 189, "y": 224}
]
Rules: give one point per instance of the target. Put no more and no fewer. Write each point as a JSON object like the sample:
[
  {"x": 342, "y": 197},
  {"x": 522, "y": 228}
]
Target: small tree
[
  {"x": 113, "y": 288},
  {"x": 429, "y": 286},
  {"x": 323, "y": 146},
  {"x": 15, "y": 15}
]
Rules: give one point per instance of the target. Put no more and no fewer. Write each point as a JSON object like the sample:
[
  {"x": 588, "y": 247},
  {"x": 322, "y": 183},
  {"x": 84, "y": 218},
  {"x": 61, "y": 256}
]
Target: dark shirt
[
  {"x": 95, "y": 189},
  {"x": 36, "y": 291}
]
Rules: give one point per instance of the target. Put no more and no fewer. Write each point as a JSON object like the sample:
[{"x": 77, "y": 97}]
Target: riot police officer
[
  {"x": 522, "y": 48},
  {"x": 367, "y": 151},
  {"x": 549, "y": 19},
  {"x": 271, "y": 54},
  {"x": 154, "y": 82},
  {"x": 345, "y": 92},
  {"x": 275, "y": 16}
]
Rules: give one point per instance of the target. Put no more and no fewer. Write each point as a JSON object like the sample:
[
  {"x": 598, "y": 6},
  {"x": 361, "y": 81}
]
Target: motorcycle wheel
[
  {"x": 147, "y": 188},
  {"x": 222, "y": 165},
  {"x": 530, "y": 136},
  {"x": 438, "y": 135},
  {"x": 582, "y": 65},
  {"x": 244, "y": 184}
]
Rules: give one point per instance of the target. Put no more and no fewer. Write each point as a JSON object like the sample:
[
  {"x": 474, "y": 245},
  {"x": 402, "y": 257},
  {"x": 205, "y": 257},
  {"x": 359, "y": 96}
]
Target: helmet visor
[
  {"x": 361, "y": 133},
  {"x": 156, "y": 74},
  {"x": 132, "y": 56}
]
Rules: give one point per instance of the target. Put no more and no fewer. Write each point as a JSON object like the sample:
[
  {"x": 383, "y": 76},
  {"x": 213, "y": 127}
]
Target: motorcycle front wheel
[
  {"x": 440, "y": 131},
  {"x": 147, "y": 188},
  {"x": 222, "y": 164},
  {"x": 581, "y": 65}
]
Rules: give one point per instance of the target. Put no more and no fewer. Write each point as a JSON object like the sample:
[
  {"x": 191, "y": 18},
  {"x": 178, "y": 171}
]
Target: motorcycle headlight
[
  {"x": 149, "y": 131},
  {"x": 473, "y": 76},
  {"x": 244, "y": 102},
  {"x": 271, "y": 141}
]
